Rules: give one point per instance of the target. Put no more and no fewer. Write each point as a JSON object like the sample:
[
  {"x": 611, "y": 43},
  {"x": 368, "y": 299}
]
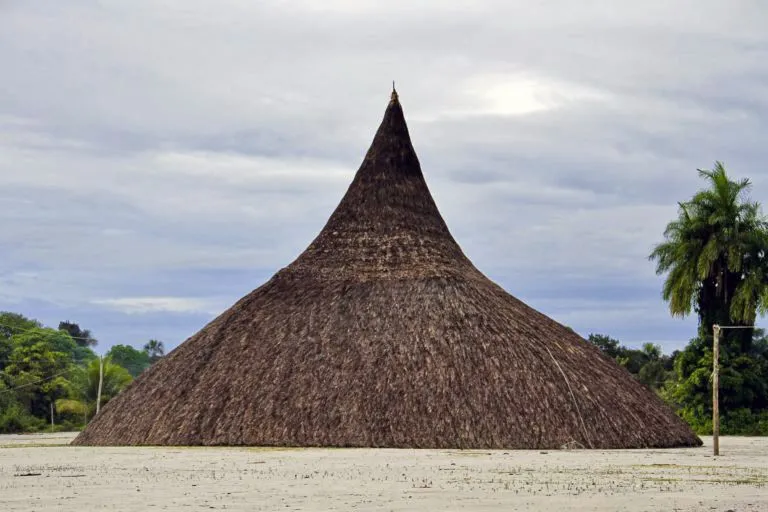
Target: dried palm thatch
[{"x": 383, "y": 334}]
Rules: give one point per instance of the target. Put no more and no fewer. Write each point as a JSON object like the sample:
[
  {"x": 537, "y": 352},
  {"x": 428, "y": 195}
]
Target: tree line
[
  {"x": 49, "y": 378},
  {"x": 743, "y": 411}
]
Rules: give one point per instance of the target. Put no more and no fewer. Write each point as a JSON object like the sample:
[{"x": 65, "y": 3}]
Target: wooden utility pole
[
  {"x": 716, "y": 329},
  {"x": 101, "y": 381},
  {"x": 716, "y": 389}
]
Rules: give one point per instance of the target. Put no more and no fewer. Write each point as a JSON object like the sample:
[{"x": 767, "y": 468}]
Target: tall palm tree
[
  {"x": 155, "y": 350},
  {"x": 714, "y": 254}
]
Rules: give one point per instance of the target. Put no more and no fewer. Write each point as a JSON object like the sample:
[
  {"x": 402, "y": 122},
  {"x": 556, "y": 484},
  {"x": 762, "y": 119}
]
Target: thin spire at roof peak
[{"x": 394, "y": 93}]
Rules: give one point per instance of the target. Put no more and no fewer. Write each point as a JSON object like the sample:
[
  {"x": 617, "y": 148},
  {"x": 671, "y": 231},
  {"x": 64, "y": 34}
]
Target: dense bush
[{"x": 14, "y": 417}]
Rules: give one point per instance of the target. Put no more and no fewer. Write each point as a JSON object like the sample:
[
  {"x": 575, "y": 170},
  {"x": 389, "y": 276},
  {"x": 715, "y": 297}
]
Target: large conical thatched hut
[{"x": 383, "y": 333}]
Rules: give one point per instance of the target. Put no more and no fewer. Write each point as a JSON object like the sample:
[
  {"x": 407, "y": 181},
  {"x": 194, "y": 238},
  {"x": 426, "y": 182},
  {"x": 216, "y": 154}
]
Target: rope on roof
[{"x": 575, "y": 403}]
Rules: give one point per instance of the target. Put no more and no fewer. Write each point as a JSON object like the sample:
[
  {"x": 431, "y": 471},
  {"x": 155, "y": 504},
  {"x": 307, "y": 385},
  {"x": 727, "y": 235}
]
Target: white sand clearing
[{"x": 41, "y": 473}]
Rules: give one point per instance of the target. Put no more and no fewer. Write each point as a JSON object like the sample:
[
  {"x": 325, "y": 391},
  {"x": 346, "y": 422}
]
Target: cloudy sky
[{"x": 160, "y": 159}]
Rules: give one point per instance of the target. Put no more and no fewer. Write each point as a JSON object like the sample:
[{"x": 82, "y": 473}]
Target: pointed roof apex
[{"x": 394, "y": 93}]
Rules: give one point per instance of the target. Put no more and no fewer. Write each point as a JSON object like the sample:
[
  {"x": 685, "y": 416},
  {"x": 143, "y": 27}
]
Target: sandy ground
[{"x": 41, "y": 473}]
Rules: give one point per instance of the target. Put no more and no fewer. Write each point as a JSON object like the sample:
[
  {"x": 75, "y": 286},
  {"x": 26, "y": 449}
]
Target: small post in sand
[{"x": 716, "y": 390}]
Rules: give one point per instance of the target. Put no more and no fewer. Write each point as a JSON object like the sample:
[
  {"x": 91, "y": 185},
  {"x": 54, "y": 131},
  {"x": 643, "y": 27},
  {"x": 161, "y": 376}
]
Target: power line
[
  {"x": 21, "y": 330},
  {"x": 35, "y": 382}
]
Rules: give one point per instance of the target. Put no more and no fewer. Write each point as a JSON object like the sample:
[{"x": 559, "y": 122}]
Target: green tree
[
  {"x": 10, "y": 324},
  {"x": 135, "y": 361},
  {"x": 38, "y": 366},
  {"x": 82, "y": 337},
  {"x": 84, "y": 340},
  {"x": 14, "y": 417},
  {"x": 606, "y": 344},
  {"x": 13, "y": 323},
  {"x": 648, "y": 365},
  {"x": 714, "y": 258},
  {"x": 652, "y": 373},
  {"x": 155, "y": 350}
]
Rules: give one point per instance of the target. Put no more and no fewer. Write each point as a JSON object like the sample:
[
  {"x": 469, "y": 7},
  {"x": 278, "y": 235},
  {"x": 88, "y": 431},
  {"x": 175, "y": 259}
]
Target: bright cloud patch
[
  {"x": 509, "y": 95},
  {"x": 506, "y": 95}
]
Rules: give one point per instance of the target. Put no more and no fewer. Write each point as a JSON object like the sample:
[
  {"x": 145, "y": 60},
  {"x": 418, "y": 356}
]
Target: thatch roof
[{"x": 383, "y": 334}]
